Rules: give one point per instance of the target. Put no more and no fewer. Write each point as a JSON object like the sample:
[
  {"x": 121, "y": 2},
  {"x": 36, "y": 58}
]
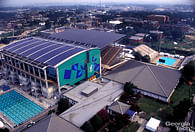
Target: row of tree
[
  {"x": 5, "y": 40},
  {"x": 173, "y": 33},
  {"x": 188, "y": 72},
  {"x": 63, "y": 104},
  {"x": 139, "y": 57},
  {"x": 4, "y": 130},
  {"x": 93, "y": 125}
]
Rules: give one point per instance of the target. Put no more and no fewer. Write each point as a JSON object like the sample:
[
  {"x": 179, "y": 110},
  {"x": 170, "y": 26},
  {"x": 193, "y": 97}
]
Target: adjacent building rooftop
[
  {"x": 119, "y": 107},
  {"x": 145, "y": 50},
  {"x": 156, "y": 31},
  {"x": 88, "y": 38},
  {"x": 136, "y": 38},
  {"x": 87, "y": 107},
  {"x": 147, "y": 77},
  {"x": 53, "y": 123},
  {"x": 153, "y": 124}
]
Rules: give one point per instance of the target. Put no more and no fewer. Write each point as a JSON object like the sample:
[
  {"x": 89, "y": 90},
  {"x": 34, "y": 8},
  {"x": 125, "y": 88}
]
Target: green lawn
[
  {"x": 188, "y": 44},
  {"x": 179, "y": 94},
  {"x": 132, "y": 127},
  {"x": 151, "y": 107},
  {"x": 162, "y": 110},
  {"x": 167, "y": 44}
]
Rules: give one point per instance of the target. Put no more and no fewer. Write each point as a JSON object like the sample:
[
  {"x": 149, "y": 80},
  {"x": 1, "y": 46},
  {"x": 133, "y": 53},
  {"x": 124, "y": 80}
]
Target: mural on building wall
[
  {"x": 94, "y": 62},
  {"x": 75, "y": 67},
  {"x": 74, "y": 70}
]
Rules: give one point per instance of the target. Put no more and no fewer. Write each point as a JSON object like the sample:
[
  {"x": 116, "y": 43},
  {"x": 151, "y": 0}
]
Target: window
[
  {"x": 26, "y": 67},
  {"x": 6, "y": 59},
  {"x": 31, "y": 69},
  {"x": 42, "y": 74},
  {"x": 36, "y": 71},
  {"x": 22, "y": 66},
  {"x": 32, "y": 78},
  {"x": 43, "y": 84},
  {"x": 17, "y": 63}
]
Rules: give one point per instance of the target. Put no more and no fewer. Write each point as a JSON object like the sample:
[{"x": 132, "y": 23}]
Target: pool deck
[
  {"x": 174, "y": 65},
  {"x": 44, "y": 106},
  {"x": 6, "y": 120}
]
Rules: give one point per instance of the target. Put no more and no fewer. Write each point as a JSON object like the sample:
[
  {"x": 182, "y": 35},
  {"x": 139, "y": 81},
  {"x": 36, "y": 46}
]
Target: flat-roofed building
[
  {"x": 156, "y": 33},
  {"x": 87, "y": 38},
  {"x": 141, "y": 35},
  {"x": 153, "y": 124},
  {"x": 159, "y": 18},
  {"x": 85, "y": 107},
  {"x": 136, "y": 39}
]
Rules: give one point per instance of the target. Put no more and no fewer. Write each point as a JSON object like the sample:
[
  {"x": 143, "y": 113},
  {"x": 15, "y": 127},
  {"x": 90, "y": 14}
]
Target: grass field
[
  {"x": 162, "y": 110},
  {"x": 180, "y": 93},
  {"x": 131, "y": 127},
  {"x": 151, "y": 106}
]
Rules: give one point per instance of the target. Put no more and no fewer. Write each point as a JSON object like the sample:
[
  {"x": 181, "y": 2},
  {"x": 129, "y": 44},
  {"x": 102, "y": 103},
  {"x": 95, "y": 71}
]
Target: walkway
[
  {"x": 141, "y": 121},
  {"x": 141, "y": 128}
]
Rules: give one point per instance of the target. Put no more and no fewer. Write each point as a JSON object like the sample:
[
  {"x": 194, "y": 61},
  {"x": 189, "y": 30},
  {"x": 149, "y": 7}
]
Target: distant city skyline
[{"x": 37, "y": 2}]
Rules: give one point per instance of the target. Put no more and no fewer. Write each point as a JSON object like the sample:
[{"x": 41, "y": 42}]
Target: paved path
[{"x": 141, "y": 128}]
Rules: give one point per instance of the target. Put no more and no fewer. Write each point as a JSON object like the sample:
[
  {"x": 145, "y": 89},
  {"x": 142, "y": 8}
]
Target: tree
[
  {"x": 87, "y": 127},
  {"x": 154, "y": 38},
  {"x": 4, "y": 130},
  {"x": 128, "y": 87},
  {"x": 51, "y": 111},
  {"x": 188, "y": 72},
  {"x": 5, "y": 40},
  {"x": 96, "y": 122},
  {"x": 47, "y": 24},
  {"x": 63, "y": 104},
  {"x": 103, "y": 114},
  {"x": 146, "y": 58},
  {"x": 138, "y": 56},
  {"x": 177, "y": 34},
  {"x": 180, "y": 111}
]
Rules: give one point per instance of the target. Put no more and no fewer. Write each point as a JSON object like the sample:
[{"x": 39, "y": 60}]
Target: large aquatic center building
[{"x": 44, "y": 67}]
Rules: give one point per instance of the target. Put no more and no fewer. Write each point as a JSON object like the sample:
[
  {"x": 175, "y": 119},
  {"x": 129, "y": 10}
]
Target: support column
[
  {"x": 100, "y": 66},
  {"x": 29, "y": 72},
  {"x": 40, "y": 82},
  {"x": 46, "y": 82},
  {"x": 45, "y": 74},
  {"x": 34, "y": 74},
  {"x": 58, "y": 80}
]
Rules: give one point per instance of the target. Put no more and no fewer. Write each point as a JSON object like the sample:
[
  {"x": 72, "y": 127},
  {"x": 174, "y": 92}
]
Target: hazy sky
[{"x": 34, "y": 2}]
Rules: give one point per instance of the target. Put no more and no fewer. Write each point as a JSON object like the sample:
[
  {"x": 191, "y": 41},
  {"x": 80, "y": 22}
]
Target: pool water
[
  {"x": 168, "y": 61},
  {"x": 17, "y": 107}
]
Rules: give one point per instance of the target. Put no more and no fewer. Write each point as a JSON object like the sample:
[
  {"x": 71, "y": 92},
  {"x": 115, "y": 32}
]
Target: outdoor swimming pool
[
  {"x": 168, "y": 61},
  {"x": 17, "y": 107}
]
